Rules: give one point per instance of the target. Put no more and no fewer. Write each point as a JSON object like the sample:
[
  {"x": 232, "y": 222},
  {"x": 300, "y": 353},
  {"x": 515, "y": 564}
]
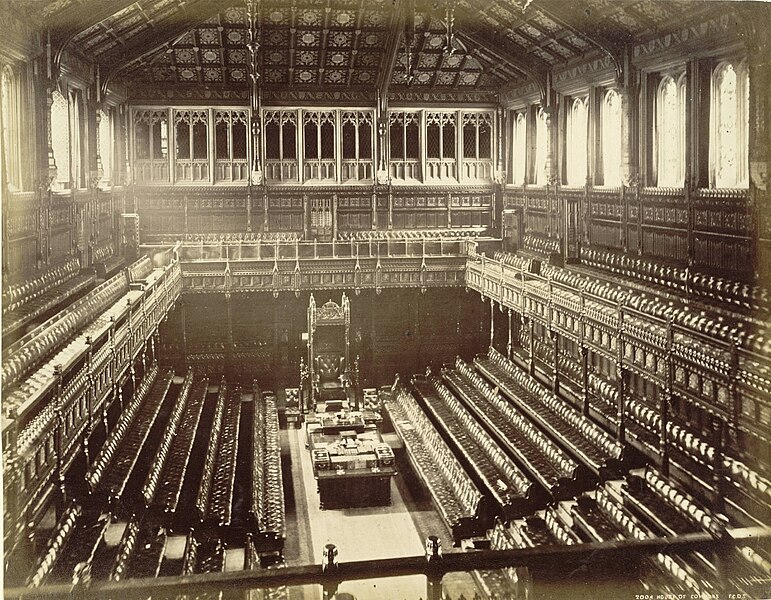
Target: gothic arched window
[
  {"x": 541, "y": 141},
  {"x": 610, "y": 122},
  {"x": 106, "y": 142},
  {"x": 670, "y": 132},
  {"x": 519, "y": 150},
  {"x": 60, "y": 138},
  {"x": 576, "y": 143},
  {"x": 11, "y": 117},
  {"x": 729, "y": 139}
]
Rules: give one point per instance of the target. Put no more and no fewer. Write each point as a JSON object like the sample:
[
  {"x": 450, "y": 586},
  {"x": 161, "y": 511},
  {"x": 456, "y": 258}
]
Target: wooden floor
[{"x": 363, "y": 533}]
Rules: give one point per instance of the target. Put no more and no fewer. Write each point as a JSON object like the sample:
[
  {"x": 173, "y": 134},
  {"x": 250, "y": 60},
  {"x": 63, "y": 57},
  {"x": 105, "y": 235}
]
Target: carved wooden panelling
[
  {"x": 22, "y": 224},
  {"x": 204, "y": 223},
  {"x": 421, "y": 201},
  {"x": 726, "y": 215},
  {"x": 604, "y": 211},
  {"x": 285, "y": 222},
  {"x": 285, "y": 203},
  {"x": 664, "y": 214},
  {"x": 60, "y": 243},
  {"x": 59, "y": 215},
  {"x": 346, "y": 202},
  {"x": 716, "y": 252},
  {"x": 665, "y": 244},
  {"x": 354, "y": 221},
  {"x": 418, "y": 220},
  {"x": 605, "y": 235},
  {"x": 471, "y": 200},
  {"x": 22, "y": 255}
]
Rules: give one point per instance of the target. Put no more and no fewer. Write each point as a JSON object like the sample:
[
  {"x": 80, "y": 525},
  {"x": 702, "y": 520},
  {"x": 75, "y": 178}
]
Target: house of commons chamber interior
[{"x": 386, "y": 299}]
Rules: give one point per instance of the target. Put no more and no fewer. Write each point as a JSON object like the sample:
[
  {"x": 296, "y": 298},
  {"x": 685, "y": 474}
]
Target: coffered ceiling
[{"x": 340, "y": 44}]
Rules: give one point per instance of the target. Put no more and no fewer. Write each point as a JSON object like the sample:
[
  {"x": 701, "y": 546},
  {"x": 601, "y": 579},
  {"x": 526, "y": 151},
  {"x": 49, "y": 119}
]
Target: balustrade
[
  {"x": 231, "y": 171},
  {"x": 319, "y": 169},
  {"x": 278, "y": 170},
  {"x": 477, "y": 169},
  {"x": 405, "y": 170},
  {"x": 356, "y": 170},
  {"x": 151, "y": 171},
  {"x": 441, "y": 169},
  {"x": 192, "y": 170}
]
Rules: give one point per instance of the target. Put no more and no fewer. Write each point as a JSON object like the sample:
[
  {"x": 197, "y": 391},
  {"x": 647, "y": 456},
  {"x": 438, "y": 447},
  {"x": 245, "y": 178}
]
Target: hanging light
[
  {"x": 253, "y": 49},
  {"x": 409, "y": 41},
  {"x": 449, "y": 19},
  {"x": 253, "y": 43}
]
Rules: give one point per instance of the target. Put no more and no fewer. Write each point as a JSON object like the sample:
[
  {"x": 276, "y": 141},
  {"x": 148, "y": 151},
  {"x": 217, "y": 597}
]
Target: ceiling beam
[
  {"x": 501, "y": 49},
  {"x": 164, "y": 32},
  {"x": 585, "y": 27},
  {"x": 393, "y": 43},
  {"x": 69, "y": 23},
  {"x": 80, "y": 17}
]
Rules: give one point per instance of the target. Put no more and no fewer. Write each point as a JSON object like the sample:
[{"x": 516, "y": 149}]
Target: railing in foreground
[{"x": 558, "y": 559}]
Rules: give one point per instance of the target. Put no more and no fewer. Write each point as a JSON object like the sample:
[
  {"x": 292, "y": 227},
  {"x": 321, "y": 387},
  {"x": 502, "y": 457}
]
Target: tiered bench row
[
  {"x": 215, "y": 495},
  {"x": 267, "y": 507},
  {"x": 106, "y": 454},
  {"x": 116, "y": 476},
  {"x": 497, "y": 476},
  {"x": 24, "y": 302},
  {"x": 645, "y": 505},
  {"x": 597, "y": 450},
  {"x": 167, "y": 472},
  {"x": 204, "y": 556},
  {"x": 541, "y": 458},
  {"x": 455, "y": 495},
  {"x": 141, "y": 551}
]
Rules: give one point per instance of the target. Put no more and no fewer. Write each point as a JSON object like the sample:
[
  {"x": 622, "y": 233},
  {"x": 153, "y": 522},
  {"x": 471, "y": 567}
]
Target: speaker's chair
[{"x": 329, "y": 368}]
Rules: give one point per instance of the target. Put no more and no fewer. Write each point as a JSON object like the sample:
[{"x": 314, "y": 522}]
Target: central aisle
[{"x": 361, "y": 533}]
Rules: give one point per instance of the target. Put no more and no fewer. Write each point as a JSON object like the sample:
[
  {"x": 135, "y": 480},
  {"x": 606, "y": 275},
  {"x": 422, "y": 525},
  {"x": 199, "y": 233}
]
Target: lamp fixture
[
  {"x": 409, "y": 41},
  {"x": 253, "y": 49},
  {"x": 449, "y": 20}
]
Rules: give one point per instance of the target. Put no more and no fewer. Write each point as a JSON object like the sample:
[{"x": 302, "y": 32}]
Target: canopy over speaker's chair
[{"x": 328, "y": 349}]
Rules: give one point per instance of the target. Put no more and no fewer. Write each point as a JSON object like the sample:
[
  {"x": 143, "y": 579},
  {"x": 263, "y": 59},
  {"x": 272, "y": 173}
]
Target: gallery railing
[{"x": 562, "y": 562}]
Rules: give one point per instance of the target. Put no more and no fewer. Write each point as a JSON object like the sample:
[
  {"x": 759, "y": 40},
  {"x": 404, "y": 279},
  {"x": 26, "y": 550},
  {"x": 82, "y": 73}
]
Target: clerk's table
[{"x": 351, "y": 463}]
